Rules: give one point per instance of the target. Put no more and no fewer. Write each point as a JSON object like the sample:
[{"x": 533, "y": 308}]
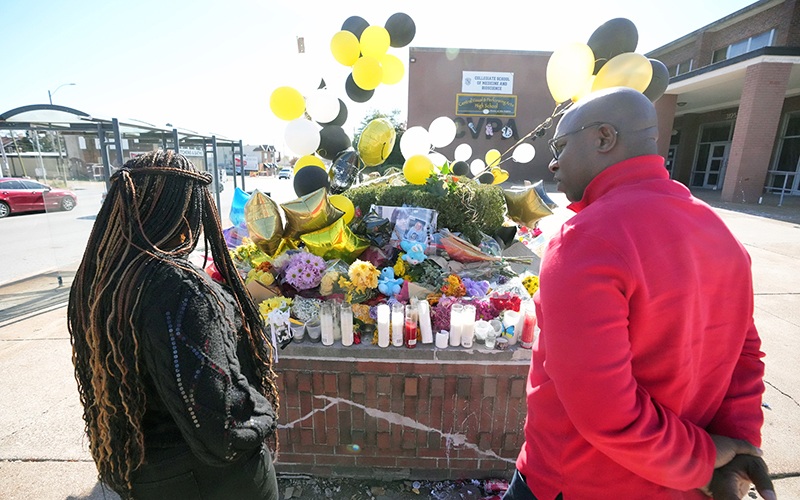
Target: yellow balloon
[
  {"x": 376, "y": 142},
  {"x": 287, "y": 103},
  {"x": 492, "y": 158},
  {"x": 417, "y": 169},
  {"x": 344, "y": 204},
  {"x": 568, "y": 70},
  {"x": 625, "y": 70},
  {"x": 587, "y": 89},
  {"x": 307, "y": 160},
  {"x": 367, "y": 73},
  {"x": 500, "y": 175},
  {"x": 375, "y": 42},
  {"x": 393, "y": 69},
  {"x": 345, "y": 48}
]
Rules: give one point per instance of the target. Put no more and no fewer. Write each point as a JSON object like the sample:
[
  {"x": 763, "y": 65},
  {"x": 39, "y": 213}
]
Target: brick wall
[{"x": 406, "y": 418}]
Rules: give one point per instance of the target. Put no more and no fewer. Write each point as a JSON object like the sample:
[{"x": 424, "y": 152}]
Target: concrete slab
[
  {"x": 52, "y": 481},
  {"x": 787, "y": 488}
]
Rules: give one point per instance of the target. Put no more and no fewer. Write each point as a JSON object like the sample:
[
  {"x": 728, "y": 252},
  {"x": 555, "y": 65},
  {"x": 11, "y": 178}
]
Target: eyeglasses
[{"x": 556, "y": 150}]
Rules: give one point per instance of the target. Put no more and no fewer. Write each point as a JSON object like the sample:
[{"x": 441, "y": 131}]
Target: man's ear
[{"x": 608, "y": 137}]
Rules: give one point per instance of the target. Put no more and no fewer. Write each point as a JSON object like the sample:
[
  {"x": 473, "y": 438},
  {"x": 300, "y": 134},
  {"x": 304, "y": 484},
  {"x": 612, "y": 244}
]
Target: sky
[{"x": 210, "y": 66}]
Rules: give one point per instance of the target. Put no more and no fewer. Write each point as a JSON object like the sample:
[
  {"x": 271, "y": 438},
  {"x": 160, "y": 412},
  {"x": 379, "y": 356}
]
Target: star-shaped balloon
[
  {"x": 309, "y": 213},
  {"x": 263, "y": 218},
  {"x": 335, "y": 242},
  {"x": 525, "y": 206},
  {"x": 539, "y": 187}
]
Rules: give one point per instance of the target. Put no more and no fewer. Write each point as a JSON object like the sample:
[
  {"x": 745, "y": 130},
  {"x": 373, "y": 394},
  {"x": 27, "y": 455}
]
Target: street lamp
[{"x": 50, "y": 94}]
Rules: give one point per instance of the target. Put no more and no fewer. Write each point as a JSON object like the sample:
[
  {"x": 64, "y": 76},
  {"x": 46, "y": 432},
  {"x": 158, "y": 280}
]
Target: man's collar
[{"x": 625, "y": 172}]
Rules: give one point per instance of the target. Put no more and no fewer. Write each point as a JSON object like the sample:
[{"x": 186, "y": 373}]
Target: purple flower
[
  {"x": 502, "y": 280},
  {"x": 476, "y": 288}
]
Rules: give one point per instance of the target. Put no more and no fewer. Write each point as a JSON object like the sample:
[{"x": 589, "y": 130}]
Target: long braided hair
[{"x": 155, "y": 210}]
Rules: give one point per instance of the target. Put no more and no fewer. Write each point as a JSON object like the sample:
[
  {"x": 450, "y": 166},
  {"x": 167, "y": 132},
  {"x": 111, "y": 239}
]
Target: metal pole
[
  {"x": 783, "y": 190},
  {"x": 214, "y": 151},
  {"x": 6, "y": 168},
  {"x": 218, "y": 184},
  {"x": 101, "y": 134},
  {"x": 241, "y": 155},
  {"x": 39, "y": 150},
  {"x": 163, "y": 141},
  {"x": 234, "y": 171},
  {"x": 118, "y": 142},
  {"x": 175, "y": 140}
]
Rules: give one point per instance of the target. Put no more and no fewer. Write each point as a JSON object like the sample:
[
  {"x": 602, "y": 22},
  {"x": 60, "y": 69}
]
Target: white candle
[
  {"x": 425, "y": 329},
  {"x": 511, "y": 318},
  {"x": 326, "y": 323},
  {"x": 456, "y": 324},
  {"x": 467, "y": 326},
  {"x": 383, "y": 325},
  {"x": 398, "y": 322},
  {"x": 441, "y": 339},
  {"x": 346, "y": 314}
]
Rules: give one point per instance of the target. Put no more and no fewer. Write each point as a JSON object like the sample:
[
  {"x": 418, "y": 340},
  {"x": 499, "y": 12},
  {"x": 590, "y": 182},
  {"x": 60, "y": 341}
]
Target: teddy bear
[
  {"x": 387, "y": 284},
  {"x": 415, "y": 252}
]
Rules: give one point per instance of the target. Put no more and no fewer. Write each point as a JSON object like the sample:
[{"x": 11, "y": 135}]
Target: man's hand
[
  {"x": 732, "y": 481},
  {"x": 727, "y": 448}
]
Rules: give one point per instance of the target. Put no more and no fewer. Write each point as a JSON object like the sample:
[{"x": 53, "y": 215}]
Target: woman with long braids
[{"x": 174, "y": 370}]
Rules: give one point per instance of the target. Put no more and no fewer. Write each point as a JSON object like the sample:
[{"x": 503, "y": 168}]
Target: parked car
[
  {"x": 23, "y": 195},
  {"x": 285, "y": 173}
]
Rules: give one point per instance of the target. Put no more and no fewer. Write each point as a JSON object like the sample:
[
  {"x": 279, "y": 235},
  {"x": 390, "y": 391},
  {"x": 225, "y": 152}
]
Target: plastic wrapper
[
  {"x": 305, "y": 309},
  {"x": 377, "y": 229}
]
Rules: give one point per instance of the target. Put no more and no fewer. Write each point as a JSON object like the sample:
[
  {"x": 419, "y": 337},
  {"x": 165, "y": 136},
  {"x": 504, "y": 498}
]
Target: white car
[{"x": 285, "y": 173}]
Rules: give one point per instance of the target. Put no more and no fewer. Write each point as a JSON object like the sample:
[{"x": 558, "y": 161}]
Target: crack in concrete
[
  {"x": 395, "y": 418},
  {"x": 787, "y": 395}
]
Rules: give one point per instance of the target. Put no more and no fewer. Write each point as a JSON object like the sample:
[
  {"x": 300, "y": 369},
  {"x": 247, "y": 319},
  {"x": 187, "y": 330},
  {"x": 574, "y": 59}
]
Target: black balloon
[
  {"x": 340, "y": 118},
  {"x": 356, "y": 93},
  {"x": 505, "y": 236},
  {"x": 659, "y": 82},
  {"x": 612, "y": 38},
  {"x": 355, "y": 25},
  {"x": 460, "y": 168},
  {"x": 322, "y": 84},
  {"x": 309, "y": 179},
  {"x": 486, "y": 178},
  {"x": 401, "y": 29},
  {"x": 332, "y": 141},
  {"x": 344, "y": 171}
]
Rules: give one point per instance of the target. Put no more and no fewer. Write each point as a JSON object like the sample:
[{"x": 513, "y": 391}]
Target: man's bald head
[{"x": 600, "y": 130}]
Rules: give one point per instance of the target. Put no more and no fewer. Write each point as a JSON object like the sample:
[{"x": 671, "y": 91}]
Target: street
[{"x": 34, "y": 243}]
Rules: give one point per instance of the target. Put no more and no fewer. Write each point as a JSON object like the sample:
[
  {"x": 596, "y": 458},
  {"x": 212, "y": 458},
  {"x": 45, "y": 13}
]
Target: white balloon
[
  {"x": 523, "y": 153},
  {"x": 477, "y": 166},
  {"x": 302, "y": 136},
  {"x": 438, "y": 159},
  {"x": 463, "y": 152},
  {"x": 443, "y": 131},
  {"x": 415, "y": 141},
  {"x": 322, "y": 106}
]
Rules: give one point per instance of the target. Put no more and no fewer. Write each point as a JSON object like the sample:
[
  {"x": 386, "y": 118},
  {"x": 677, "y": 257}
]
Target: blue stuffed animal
[
  {"x": 415, "y": 252},
  {"x": 387, "y": 284}
]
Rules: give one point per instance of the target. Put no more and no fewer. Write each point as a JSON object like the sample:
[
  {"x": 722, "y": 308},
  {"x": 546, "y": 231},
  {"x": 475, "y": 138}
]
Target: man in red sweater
[{"x": 647, "y": 375}]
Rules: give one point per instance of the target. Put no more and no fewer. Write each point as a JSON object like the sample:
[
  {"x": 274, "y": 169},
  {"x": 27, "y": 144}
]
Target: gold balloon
[
  {"x": 309, "y": 213},
  {"x": 263, "y": 219},
  {"x": 336, "y": 241},
  {"x": 286, "y": 244},
  {"x": 376, "y": 142},
  {"x": 568, "y": 70},
  {"x": 625, "y": 70},
  {"x": 525, "y": 206},
  {"x": 500, "y": 175}
]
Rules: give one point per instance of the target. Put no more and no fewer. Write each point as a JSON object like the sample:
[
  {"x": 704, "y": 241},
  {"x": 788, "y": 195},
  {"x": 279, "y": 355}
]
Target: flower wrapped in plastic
[
  {"x": 531, "y": 284},
  {"x": 306, "y": 309},
  {"x": 453, "y": 287},
  {"x": 476, "y": 288},
  {"x": 361, "y": 282},
  {"x": 276, "y": 313},
  {"x": 329, "y": 284},
  {"x": 304, "y": 271}
]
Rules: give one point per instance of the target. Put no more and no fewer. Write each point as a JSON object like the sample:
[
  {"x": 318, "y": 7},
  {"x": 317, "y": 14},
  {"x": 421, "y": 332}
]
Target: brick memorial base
[{"x": 397, "y": 413}]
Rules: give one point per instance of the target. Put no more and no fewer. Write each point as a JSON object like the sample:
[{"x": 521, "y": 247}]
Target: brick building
[{"x": 730, "y": 118}]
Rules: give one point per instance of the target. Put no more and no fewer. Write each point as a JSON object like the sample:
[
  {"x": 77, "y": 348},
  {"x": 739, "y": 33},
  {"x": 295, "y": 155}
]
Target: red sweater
[{"x": 647, "y": 344}]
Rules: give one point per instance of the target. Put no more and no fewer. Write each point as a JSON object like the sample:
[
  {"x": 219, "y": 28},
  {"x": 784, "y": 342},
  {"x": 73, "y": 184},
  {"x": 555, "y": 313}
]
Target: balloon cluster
[
  {"x": 606, "y": 60},
  {"x": 364, "y": 49}
]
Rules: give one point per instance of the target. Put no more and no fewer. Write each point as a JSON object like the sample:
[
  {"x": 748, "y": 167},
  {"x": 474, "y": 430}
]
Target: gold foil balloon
[
  {"x": 376, "y": 142},
  {"x": 309, "y": 213},
  {"x": 336, "y": 241},
  {"x": 500, "y": 175},
  {"x": 539, "y": 187},
  {"x": 625, "y": 70},
  {"x": 263, "y": 219},
  {"x": 525, "y": 206}
]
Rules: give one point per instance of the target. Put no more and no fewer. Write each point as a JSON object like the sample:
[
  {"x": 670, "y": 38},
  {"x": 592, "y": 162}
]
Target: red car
[{"x": 24, "y": 195}]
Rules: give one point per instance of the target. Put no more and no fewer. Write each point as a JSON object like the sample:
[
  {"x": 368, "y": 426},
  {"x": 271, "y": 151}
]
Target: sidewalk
[{"x": 43, "y": 449}]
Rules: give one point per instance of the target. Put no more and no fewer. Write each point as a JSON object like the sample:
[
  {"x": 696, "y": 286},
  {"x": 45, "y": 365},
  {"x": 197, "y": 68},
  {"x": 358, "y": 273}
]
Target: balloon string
[{"x": 558, "y": 111}]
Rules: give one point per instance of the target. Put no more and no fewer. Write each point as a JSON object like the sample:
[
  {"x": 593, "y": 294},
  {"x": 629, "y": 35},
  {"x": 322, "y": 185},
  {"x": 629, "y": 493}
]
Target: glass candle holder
[
  {"x": 467, "y": 325},
  {"x": 326, "y": 323},
  {"x": 346, "y": 321},
  {"x": 398, "y": 323},
  {"x": 384, "y": 314},
  {"x": 456, "y": 324}
]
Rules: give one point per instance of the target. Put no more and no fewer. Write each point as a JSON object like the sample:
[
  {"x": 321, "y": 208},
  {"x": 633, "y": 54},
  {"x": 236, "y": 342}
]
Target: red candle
[{"x": 526, "y": 339}]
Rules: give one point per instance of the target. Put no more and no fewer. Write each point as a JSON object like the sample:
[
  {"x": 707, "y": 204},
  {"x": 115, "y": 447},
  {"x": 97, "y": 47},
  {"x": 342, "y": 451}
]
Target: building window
[
  {"x": 784, "y": 177},
  {"x": 681, "y": 68},
  {"x": 739, "y": 48}
]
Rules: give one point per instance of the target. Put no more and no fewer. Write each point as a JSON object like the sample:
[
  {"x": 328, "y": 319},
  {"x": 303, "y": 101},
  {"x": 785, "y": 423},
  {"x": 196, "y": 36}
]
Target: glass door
[
  {"x": 784, "y": 176},
  {"x": 712, "y": 156}
]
